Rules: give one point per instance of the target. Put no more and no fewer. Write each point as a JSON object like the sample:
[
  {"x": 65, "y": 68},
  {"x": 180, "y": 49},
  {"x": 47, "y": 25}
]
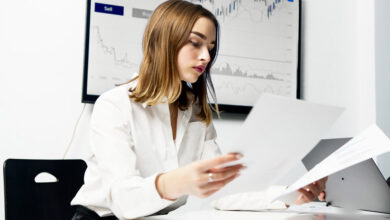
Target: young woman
[{"x": 152, "y": 139}]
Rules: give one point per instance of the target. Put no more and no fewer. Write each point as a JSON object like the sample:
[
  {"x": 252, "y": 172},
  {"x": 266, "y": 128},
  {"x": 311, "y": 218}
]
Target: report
[
  {"x": 368, "y": 144},
  {"x": 276, "y": 135}
]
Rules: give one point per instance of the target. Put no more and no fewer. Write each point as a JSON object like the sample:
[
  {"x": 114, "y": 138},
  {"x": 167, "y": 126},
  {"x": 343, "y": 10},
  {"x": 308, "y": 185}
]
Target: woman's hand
[
  {"x": 311, "y": 191},
  {"x": 201, "y": 178}
]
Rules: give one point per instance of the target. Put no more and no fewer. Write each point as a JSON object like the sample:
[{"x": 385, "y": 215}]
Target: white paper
[
  {"x": 368, "y": 144},
  {"x": 278, "y": 132}
]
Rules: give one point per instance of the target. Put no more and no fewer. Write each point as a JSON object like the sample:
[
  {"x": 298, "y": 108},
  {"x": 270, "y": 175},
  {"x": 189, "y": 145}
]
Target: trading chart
[{"x": 258, "y": 46}]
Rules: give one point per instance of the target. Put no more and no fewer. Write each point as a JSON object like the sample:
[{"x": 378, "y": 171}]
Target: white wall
[
  {"x": 338, "y": 60},
  {"x": 41, "y": 63},
  {"x": 382, "y": 54}
]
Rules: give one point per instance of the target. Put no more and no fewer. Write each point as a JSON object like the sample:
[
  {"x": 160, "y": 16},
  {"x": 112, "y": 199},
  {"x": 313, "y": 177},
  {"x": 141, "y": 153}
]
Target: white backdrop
[
  {"x": 382, "y": 65},
  {"x": 41, "y": 65}
]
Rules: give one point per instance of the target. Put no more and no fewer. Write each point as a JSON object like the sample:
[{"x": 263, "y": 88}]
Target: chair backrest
[{"x": 26, "y": 199}]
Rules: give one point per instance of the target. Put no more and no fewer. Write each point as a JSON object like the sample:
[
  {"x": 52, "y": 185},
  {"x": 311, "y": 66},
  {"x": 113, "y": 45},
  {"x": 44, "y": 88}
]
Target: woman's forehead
[{"x": 205, "y": 28}]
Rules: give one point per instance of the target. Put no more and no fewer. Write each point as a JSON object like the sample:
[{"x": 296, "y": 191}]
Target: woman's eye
[{"x": 195, "y": 44}]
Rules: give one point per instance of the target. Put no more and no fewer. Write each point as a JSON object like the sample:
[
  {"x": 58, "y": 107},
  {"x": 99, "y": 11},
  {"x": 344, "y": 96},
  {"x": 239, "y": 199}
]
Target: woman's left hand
[{"x": 312, "y": 191}]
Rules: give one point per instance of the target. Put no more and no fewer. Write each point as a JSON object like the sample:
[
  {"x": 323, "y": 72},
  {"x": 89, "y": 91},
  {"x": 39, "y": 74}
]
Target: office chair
[{"x": 26, "y": 199}]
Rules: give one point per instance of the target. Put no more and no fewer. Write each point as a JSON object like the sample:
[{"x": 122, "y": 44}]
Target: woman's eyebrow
[{"x": 201, "y": 36}]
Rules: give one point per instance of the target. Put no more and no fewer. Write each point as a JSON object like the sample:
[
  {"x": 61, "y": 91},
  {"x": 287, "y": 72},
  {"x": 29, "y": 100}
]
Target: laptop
[{"x": 361, "y": 186}]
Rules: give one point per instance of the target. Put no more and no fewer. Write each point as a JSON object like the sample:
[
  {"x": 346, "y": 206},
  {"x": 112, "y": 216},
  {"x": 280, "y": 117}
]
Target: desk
[
  {"x": 310, "y": 211},
  {"x": 245, "y": 215}
]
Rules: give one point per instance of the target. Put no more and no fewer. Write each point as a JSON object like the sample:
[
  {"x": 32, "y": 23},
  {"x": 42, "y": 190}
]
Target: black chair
[{"x": 26, "y": 199}]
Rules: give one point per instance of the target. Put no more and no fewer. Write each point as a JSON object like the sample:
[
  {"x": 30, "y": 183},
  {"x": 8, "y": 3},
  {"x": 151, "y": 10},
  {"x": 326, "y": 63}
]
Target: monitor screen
[{"x": 258, "y": 52}]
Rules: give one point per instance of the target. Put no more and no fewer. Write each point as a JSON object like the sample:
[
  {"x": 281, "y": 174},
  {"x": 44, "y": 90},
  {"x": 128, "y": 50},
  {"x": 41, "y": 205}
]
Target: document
[
  {"x": 368, "y": 144},
  {"x": 276, "y": 135}
]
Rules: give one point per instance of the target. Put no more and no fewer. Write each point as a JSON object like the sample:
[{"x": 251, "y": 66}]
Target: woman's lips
[{"x": 199, "y": 69}]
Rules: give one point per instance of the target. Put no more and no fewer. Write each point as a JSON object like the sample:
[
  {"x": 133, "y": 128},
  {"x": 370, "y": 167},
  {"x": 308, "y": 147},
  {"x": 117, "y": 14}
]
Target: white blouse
[{"x": 132, "y": 143}]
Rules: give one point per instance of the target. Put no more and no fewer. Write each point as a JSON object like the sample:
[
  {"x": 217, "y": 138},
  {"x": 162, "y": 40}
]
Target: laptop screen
[{"x": 322, "y": 150}]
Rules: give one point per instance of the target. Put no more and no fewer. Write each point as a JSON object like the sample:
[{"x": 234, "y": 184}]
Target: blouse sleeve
[
  {"x": 128, "y": 194},
  {"x": 211, "y": 148}
]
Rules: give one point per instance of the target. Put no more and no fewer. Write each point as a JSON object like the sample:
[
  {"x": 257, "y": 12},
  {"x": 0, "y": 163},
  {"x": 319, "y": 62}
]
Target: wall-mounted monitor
[{"x": 259, "y": 47}]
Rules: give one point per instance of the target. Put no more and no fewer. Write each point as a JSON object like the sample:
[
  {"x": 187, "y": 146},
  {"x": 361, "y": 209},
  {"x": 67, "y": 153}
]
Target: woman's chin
[{"x": 191, "y": 79}]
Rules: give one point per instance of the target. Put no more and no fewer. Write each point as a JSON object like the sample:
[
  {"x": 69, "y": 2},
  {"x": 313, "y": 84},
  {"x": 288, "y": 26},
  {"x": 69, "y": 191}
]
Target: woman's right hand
[{"x": 194, "y": 178}]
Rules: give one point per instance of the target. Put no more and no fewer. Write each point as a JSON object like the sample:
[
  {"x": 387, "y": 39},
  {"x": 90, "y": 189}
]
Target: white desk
[
  {"x": 244, "y": 215},
  {"x": 311, "y": 211}
]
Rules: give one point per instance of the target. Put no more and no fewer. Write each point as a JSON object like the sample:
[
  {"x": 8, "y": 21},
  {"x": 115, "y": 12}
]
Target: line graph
[
  {"x": 242, "y": 90},
  {"x": 259, "y": 10},
  {"x": 109, "y": 62},
  {"x": 258, "y": 46},
  {"x": 112, "y": 51},
  {"x": 256, "y": 58},
  {"x": 228, "y": 71}
]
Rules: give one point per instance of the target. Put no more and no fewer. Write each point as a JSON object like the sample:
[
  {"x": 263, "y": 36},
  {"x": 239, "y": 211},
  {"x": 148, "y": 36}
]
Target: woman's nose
[{"x": 205, "y": 55}]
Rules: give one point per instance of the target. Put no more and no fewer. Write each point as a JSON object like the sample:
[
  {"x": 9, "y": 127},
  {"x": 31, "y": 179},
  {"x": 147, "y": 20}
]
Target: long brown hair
[{"x": 167, "y": 31}]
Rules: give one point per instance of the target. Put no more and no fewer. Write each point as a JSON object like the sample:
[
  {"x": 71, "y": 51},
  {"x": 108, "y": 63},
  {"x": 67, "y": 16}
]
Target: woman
[{"x": 152, "y": 139}]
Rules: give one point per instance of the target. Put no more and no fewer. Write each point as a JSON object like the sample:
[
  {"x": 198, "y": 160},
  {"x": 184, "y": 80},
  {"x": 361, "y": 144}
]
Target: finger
[
  {"x": 313, "y": 188},
  {"x": 205, "y": 165},
  {"x": 307, "y": 195},
  {"x": 218, "y": 184},
  {"x": 220, "y": 176},
  {"x": 227, "y": 181},
  {"x": 224, "y": 169},
  {"x": 321, "y": 197},
  {"x": 209, "y": 193},
  {"x": 235, "y": 168},
  {"x": 300, "y": 199},
  {"x": 322, "y": 183}
]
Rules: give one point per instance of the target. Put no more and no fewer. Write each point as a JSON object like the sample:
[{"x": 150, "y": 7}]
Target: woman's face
[{"x": 194, "y": 56}]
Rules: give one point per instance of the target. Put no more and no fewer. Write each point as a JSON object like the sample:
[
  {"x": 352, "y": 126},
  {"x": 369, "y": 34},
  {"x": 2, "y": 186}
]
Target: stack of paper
[{"x": 276, "y": 135}]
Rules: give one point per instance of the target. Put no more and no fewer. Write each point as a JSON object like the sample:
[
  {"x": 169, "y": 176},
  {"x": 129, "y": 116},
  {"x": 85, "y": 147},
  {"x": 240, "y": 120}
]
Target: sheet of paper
[
  {"x": 368, "y": 144},
  {"x": 276, "y": 135}
]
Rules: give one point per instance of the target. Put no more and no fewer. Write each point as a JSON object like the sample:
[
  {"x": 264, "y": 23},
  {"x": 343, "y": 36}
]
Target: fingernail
[
  {"x": 243, "y": 168},
  {"x": 239, "y": 156}
]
